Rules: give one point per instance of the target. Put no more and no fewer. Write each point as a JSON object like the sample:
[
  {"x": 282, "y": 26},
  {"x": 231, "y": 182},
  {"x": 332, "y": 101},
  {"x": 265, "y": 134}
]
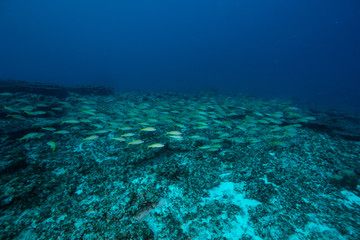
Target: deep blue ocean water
[{"x": 308, "y": 51}]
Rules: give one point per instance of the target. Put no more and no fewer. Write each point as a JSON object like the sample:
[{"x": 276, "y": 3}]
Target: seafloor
[{"x": 176, "y": 166}]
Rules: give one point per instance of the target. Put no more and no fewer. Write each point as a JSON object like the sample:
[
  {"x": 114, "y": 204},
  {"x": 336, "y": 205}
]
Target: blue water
[{"x": 308, "y": 51}]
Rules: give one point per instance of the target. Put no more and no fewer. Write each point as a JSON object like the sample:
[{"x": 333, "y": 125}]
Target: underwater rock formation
[{"x": 14, "y": 86}]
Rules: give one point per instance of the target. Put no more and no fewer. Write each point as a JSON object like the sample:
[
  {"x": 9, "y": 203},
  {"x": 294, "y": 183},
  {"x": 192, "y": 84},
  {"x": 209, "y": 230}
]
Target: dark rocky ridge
[{"x": 14, "y": 86}]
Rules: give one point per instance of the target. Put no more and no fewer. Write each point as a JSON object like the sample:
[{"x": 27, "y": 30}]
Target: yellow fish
[
  {"x": 71, "y": 121},
  {"x": 177, "y": 133},
  {"x": 62, "y": 132},
  {"x": 90, "y": 112},
  {"x": 120, "y": 139},
  {"x": 205, "y": 147},
  {"x": 128, "y": 135},
  {"x": 148, "y": 129},
  {"x": 177, "y": 137},
  {"x": 136, "y": 142},
  {"x": 196, "y": 137},
  {"x": 52, "y": 145},
  {"x": 17, "y": 116},
  {"x": 92, "y": 137},
  {"x": 49, "y": 129},
  {"x": 125, "y": 128},
  {"x": 10, "y": 109},
  {"x": 30, "y": 136},
  {"x": 6, "y": 94},
  {"x": 35, "y": 113},
  {"x": 100, "y": 131},
  {"x": 156, "y": 145}
]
